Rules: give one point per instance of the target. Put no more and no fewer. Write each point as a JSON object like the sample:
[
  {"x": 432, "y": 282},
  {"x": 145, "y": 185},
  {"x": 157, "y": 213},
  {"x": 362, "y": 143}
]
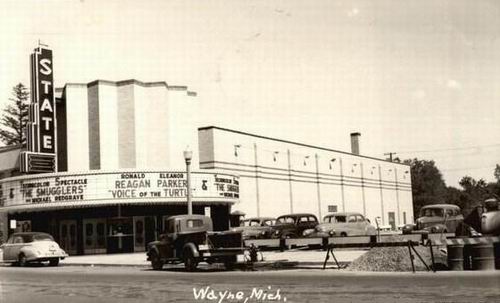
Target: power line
[
  {"x": 448, "y": 149},
  {"x": 470, "y": 168}
]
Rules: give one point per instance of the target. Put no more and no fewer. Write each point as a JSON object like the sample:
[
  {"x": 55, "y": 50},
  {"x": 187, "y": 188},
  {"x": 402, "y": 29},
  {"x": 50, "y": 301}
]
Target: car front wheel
[
  {"x": 54, "y": 262},
  {"x": 22, "y": 260}
]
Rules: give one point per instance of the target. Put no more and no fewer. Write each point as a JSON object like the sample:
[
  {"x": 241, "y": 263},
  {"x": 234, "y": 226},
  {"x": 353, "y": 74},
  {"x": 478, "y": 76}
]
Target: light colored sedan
[
  {"x": 343, "y": 224},
  {"x": 22, "y": 248}
]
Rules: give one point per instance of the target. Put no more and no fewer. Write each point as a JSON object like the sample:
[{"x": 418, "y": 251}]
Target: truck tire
[
  {"x": 156, "y": 263},
  {"x": 229, "y": 263},
  {"x": 190, "y": 262}
]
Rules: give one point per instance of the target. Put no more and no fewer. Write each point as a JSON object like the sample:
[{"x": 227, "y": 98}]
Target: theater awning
[{"x": 88, "y": 204}]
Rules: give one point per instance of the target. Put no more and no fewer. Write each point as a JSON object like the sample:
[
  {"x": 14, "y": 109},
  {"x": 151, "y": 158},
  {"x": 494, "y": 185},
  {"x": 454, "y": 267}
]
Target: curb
[
  {"x": 104, "y": 265},
  {"x": 278, "y": 264}
]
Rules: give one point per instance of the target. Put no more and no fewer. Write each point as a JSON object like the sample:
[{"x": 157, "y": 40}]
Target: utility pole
[{"x": 390, "y": 155}]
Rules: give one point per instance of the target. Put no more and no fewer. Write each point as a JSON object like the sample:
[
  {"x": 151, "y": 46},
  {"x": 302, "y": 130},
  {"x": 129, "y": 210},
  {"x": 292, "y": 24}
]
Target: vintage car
[
  {"x": 490, "y": 217},
  {"x": 189, "y": 239},
  {"x": 22, "y": 248},
  {"x": 293, "y": 225},
  {"x": 343, "y": 224},
  {"x": 256, "y": 228},
  {"x": 439, "y": 218},
  {"x": 408, "y": 228}
]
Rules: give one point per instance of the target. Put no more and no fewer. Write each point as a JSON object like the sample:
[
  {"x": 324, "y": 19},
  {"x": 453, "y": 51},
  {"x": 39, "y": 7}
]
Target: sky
[{"x": 420, "y": 78}]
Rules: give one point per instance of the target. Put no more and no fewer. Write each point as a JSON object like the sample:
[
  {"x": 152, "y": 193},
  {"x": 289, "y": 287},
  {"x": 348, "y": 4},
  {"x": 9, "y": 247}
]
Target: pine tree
[{"x": 15, "y": 117}]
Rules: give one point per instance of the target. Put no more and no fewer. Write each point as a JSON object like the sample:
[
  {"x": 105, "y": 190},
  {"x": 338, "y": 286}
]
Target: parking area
[{"x": 294, "y": 257}]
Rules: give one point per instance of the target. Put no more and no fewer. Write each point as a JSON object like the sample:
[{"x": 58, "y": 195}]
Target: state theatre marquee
[{"x": 111, "y": 188}]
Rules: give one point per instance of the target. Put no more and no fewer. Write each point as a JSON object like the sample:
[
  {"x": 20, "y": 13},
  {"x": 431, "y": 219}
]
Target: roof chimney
[{"x": 355, "y": 143}]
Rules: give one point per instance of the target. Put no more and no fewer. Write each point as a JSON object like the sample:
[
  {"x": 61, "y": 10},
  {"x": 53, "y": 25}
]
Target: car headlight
[
  {"x": 277, "y": 232},
  {"x": 263, "y": 233},
  {"x": 307, "y": 232},
  {"x": 332, "y": 233}
]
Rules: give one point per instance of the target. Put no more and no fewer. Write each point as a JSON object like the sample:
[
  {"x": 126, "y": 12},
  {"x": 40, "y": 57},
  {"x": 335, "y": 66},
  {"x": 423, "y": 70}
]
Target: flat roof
[{"x": 295, "y": 143}]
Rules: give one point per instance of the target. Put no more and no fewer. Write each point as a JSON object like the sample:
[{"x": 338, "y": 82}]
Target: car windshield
[
  {"x": 340, "y": 219},
  {"x": 335, "y": 219},
  {"x": 269, "y": 222},
  {"x": 431, "y": 212},
  {"x": 247, "y": 223},
  {"x": 37, "y": 237},
  {"x": 286, "y": 220},
  {"x": 192, "y": 223}
]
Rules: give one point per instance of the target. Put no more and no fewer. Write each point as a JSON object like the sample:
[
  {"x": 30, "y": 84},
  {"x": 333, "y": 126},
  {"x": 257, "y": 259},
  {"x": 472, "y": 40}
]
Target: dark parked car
[
  {"x": 256, "y": 228},
  {"x": 293, "y": 225}
]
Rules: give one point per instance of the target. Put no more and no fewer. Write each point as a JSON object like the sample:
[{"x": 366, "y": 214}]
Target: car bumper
[{"x": 46, "y": 257}]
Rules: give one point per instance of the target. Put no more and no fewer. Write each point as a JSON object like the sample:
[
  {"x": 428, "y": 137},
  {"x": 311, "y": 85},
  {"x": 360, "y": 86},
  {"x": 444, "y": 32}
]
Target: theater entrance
[
  {"x": 94, "y": 236},
  {"x": 68, "y": 236}
]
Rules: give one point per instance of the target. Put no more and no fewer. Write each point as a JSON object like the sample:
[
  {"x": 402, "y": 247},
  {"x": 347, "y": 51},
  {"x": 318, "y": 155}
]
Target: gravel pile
[{"x": 395, "y": 259}]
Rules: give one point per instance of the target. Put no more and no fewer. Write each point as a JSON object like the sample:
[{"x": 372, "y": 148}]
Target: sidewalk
[{"x": 297, "y": 258}]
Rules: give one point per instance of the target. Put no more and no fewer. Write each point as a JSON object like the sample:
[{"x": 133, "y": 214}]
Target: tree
[
  {"x": 474, "y": 193},
  {"x": 496, "y": 173},
  {"x": 428, "y": 186},
  {"x": 15, "y": 117}
]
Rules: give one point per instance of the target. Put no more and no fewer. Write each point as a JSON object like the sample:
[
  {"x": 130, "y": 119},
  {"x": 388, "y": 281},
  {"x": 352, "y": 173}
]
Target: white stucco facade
[
  {"x": 279, "y": 177},
  {"x": 128, "y": 124}
]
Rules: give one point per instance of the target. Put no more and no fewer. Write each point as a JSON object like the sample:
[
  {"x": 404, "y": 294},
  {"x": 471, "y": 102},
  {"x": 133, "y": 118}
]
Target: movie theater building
[
  {"x": 115, "y": 152},
  {"x": 121, "y": 169}
]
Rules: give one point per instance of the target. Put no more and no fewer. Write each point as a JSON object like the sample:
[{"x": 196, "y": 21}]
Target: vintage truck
[{"x": 189, "y": 239}]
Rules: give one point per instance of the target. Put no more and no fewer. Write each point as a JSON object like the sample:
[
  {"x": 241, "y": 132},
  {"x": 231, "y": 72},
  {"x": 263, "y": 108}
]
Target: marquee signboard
[
  {"x": 116, "y": 187},
  {"x": 41, "y": 128}
]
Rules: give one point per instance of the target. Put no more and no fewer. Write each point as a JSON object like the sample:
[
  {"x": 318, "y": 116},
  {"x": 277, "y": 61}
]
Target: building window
[{"x": 332, "y": 208}]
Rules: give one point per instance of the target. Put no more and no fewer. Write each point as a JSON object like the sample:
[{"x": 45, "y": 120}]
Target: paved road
[{"x": 136, "y": 284}]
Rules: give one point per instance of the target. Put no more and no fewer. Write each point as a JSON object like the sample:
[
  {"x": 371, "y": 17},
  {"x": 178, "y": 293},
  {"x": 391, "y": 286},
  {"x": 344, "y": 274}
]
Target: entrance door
[
  {"x": 67, "y": 232},
  {"x": 94, "y": 236},
  {"x": 392, "y": 220},
  {"x": 139, "y": 234}
]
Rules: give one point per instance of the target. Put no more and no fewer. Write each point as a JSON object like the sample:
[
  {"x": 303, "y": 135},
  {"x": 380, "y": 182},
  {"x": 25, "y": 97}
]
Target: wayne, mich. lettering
[{"x": 257, "y": 294}]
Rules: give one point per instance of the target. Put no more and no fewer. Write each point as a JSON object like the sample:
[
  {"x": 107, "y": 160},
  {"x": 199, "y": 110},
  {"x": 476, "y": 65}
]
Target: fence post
[
  {"x": 432, "y": 256},
  {"x": 325, "y": 243},
  {"x": 282, "y": 244},
  {"x": 425, "y": 236},
  {"x": 411, "y": 256}
]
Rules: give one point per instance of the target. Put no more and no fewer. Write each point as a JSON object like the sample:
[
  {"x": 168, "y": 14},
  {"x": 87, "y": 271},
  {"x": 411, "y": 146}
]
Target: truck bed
[{"x": 225, "y": 239}]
